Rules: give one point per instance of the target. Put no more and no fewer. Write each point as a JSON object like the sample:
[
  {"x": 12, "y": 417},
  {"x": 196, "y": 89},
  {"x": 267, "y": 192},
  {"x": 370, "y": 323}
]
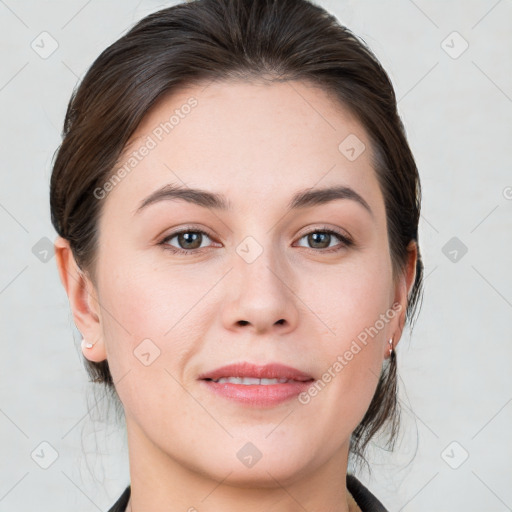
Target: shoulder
[
  {"x": 120, "y": 504},
  {"x": 366, "y": 501}
]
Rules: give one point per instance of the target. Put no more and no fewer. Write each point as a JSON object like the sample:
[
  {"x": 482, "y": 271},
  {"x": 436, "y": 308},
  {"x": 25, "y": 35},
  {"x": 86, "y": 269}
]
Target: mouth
[
  {"x": 250, "y": 374},
  {"x": 251, "y": 381},
  {"x": 257, "y": 386}
]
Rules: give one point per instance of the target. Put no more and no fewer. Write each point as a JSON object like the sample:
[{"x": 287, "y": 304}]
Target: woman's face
[{"x": 254, "y": 277}]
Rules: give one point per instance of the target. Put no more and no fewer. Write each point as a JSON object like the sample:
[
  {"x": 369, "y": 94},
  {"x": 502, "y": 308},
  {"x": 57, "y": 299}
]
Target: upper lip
[{"x": 268, "y": 371}]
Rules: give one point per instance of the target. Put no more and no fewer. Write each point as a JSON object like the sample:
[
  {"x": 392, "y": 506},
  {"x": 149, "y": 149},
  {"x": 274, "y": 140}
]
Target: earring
[
  {"x": 86, "y": 344},
  {"x": 390, "y": 347}
]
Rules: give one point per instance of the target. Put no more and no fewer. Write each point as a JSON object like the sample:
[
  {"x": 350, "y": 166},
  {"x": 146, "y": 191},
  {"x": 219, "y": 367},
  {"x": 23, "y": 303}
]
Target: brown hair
[{"x": 221, "y": 40}]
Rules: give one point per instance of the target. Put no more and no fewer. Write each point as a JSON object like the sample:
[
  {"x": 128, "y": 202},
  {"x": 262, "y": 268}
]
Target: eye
[
  {"x": 321, "y": 239},
  {"x": 188, "y": 240}
]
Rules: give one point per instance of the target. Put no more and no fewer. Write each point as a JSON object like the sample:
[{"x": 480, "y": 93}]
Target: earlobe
[
  {"x": 77, "y": 286},
  {"x": 93, "y": 351}
]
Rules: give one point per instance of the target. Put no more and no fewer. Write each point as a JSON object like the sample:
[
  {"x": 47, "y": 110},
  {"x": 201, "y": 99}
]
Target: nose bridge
[
  {"x": 262, "y": 289},
  {"x": 261, "y": 266}
]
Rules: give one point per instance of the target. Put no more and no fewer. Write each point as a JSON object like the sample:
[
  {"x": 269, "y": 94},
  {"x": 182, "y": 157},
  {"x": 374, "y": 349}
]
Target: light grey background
[{"x": 456, "y": 368}]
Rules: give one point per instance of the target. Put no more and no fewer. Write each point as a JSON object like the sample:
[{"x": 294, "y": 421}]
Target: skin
[{"x": 258, "y": 144}]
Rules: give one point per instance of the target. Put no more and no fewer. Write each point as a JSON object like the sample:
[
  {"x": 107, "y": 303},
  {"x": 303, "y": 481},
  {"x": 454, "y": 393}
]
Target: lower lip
[{"x": 257, "y": 394}]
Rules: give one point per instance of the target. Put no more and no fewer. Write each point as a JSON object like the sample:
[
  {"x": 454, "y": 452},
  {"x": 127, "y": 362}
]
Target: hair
[{"x": 207, "y": 40}]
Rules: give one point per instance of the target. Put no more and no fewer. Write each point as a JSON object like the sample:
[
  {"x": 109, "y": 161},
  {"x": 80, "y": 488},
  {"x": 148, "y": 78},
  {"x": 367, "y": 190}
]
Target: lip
[
  {"x": 257, "y": 395},
  {"x": 267, "y": 371}
]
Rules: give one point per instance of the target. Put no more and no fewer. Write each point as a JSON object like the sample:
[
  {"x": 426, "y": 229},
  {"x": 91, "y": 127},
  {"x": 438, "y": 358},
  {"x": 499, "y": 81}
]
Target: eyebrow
[{"x": 302, "y": 199}]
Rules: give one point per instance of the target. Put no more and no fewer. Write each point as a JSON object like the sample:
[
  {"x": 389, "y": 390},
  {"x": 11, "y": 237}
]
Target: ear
[
  {"x": 82, "y": 297},
  {"x": 402, "y": 292}
]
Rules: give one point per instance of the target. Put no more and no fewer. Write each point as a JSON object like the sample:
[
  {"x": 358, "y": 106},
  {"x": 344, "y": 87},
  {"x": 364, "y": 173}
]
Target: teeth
[{"x": 248, "y": 381}]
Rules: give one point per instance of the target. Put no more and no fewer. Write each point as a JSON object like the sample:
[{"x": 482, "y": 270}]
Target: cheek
[
  {"x": 354, "y": 304},
  {"x": 148, "y": 300},
  {"x": 351, "y": 299},
  {"x": 141, "y": 303},
  {"x": 144, "y": 332}
]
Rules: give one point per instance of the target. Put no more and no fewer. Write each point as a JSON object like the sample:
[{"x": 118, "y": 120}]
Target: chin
[{"x": 261, "y": 462}]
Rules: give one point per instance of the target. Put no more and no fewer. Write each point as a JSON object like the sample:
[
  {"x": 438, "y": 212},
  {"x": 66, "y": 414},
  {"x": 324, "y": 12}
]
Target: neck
[{"x": 160, "y": 482}]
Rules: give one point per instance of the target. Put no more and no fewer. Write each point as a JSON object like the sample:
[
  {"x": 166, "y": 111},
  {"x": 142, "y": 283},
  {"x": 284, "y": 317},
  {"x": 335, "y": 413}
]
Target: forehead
[{"x": 247, "y": 140}]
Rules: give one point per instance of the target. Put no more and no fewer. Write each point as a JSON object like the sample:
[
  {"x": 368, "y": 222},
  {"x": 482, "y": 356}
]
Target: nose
[{"x": 261, "y": 296}]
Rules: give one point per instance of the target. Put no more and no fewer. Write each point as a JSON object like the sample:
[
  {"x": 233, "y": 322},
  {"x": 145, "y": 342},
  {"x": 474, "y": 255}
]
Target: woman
[{"x": 237, "y": 209}]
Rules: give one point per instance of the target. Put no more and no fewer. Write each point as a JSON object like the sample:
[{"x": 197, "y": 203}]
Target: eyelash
[{"x": 345, "y": 241}]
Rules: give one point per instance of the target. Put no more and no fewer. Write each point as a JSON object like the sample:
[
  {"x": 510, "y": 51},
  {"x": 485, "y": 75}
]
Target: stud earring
[{"x": 87, "y": 344}]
